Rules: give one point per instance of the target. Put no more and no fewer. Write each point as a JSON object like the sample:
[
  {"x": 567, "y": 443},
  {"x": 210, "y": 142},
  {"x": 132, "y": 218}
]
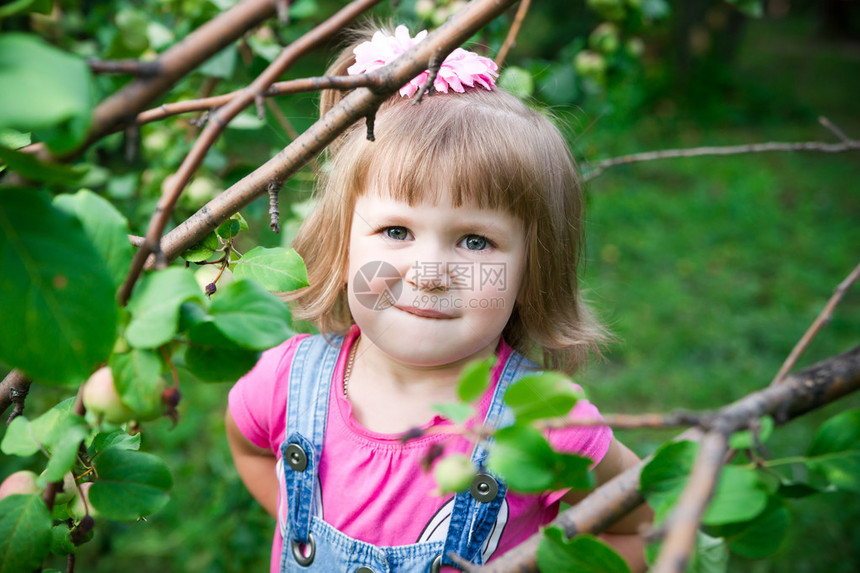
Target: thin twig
[
  {"x": 835, "y": 130},
  {"x": 511, "y": 38},
  {"x": 128, "y": 67},
  {"x": 433, "y": 71},
  {"x": 303, "y": 85},
  {"x": 821, "y": 320},
  {"x": 596, "y": 169},
  {"x": 274, "y": 214},
  {"x": 680, "y": 418}
]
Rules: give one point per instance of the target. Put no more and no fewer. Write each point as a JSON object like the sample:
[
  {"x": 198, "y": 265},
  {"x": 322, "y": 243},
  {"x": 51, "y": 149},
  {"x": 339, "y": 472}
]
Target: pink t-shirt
[{"x": 373, "y": 488}]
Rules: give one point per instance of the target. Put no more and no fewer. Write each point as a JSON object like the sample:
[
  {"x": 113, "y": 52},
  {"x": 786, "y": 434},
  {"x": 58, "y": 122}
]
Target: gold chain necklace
[{"x": 348, "y": 371}]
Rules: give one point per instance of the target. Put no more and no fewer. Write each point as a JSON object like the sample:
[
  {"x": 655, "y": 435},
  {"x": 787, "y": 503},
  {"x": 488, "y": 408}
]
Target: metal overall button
[
  {"x": 436, "y": 566},
  {"x": 484, "y": 488},
  {"x": 304, "y": 552},
  {"x": 364, "y": 569},
  {"x": 296, "y": 457}
]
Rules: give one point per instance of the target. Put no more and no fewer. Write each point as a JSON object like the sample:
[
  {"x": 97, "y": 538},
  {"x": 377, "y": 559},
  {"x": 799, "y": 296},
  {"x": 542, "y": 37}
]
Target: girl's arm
[
  {"x": 623, "y": 534},
  {"x": 256, "y": 467}
]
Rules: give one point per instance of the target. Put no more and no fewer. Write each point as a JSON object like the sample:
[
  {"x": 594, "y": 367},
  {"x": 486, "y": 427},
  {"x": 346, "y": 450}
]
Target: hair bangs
[{"x": 445, "y": 154}]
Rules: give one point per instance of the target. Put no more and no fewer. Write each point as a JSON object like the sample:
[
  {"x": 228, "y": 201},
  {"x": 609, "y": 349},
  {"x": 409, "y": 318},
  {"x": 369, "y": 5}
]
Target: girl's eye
[
  {"x": 475, "y": 242},
  {"x": 396, "y": 233}
]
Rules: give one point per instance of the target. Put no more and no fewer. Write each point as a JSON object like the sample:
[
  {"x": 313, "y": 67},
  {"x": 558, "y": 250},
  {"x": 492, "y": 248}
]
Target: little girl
[{"x": 454, "y": 236}]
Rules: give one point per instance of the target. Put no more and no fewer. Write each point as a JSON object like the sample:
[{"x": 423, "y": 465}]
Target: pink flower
[{"x": 461, "y": 69}]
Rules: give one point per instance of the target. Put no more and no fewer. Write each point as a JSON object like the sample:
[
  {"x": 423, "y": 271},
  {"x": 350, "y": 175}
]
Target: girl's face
[{"x": 433, "y": 284}]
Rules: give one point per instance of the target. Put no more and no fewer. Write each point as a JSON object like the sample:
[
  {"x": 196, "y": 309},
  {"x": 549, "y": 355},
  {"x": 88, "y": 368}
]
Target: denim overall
[{"x": 310, "y": 544}]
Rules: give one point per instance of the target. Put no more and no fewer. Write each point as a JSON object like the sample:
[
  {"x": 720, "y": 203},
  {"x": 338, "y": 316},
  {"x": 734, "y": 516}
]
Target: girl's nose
[{"x": 430, "y": 275}]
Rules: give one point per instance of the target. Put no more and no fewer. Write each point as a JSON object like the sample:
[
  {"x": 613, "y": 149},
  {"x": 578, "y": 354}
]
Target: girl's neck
[{"x": 390, "y": 396}]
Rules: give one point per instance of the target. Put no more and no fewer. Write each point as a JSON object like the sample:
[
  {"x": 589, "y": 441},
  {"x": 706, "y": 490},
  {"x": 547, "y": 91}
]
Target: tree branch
[
  {"x": 350, "y": 109},
  {"x": 511, "y": 38},
  {"x": 277, "y": 89},
  {"x": 820, "y": 384},
  {"x": 822, "y": 320},
  {"x": 13, "y": 390},
  {"x": 597, "y": 169},
  {"x": 683, "y": 522},
  {"x": 217, "y": 122},
  {"x": 119, "y": 109}
]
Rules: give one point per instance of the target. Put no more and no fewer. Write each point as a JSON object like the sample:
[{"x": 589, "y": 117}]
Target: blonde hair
[{"x": 486, "y": 149}]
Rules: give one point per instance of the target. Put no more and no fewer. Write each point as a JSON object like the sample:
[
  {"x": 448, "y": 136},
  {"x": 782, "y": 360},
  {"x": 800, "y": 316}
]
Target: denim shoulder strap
[
  {"x": 307, "y": 411},
  {"x": 474, "y": 514}
]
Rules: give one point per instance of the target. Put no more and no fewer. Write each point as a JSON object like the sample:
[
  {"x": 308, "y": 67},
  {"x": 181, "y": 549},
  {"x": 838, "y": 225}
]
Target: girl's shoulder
[{"x": 258, "y": 399}]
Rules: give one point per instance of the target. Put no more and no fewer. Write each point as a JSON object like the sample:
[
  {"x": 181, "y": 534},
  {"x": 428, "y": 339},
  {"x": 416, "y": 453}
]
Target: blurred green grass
[{"x": 708, "y": 270}]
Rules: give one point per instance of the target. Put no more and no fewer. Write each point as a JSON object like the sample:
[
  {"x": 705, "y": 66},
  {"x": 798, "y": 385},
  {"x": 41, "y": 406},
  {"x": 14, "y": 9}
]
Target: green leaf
[
  {"x": 130, "y": 485},
  {"x": 25, "y": 533},
  {"x": 457, "y": 412},
  {"x": 277, "y": 269},
  {"x": 45, "y": 90},
  {"x": 739, "y": 495},
  {"x": 116, "y": 439},
  {"x": 835, "y": 451},
  {"x": 14, "y": 139},
  {"x": 762, "y": 536},
  {"x": 582, "y": 554},
  {"x": 212, "y": 357},
  {"x": 54, "y": 287},
  {"x": 61, "y": 540},
  {"x": 228, "y": 229},
  {"x": 744, "y": 440},
  {"x": 155, "y": 305},
  {"x": 524, "y": 458},
  {"x": 29, "y": 166},
  {"x": 63, "y": 443},
  {"x": 105, "y": 227},
  {"x": 137, "y": 377},
  {"x": 20, "y": 6},
  {"x": 710, "y": 555},
  {"x": 250, "y": 316},
  {"x": 474, "y": 379},
  {"x": 203, "y": 250},
  {"x": 573, "y": 471},
  {"x": 546, "y": 395},
  {"x": 46, "y": 426},
  {"x": 19, "y": 439}
]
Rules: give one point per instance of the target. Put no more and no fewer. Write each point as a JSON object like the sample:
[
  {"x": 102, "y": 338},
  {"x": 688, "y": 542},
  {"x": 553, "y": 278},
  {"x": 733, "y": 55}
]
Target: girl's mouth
[{"x": 424, "y": 312}]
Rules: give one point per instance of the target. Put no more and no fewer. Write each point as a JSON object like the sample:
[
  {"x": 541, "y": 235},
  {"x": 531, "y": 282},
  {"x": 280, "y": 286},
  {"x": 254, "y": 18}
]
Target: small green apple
[
  {"x": 101, "y": 398},
  {"x": 20, "y": 482},
  {"x": 76, "y": 507},
  {"x": 454, "y": 473}
]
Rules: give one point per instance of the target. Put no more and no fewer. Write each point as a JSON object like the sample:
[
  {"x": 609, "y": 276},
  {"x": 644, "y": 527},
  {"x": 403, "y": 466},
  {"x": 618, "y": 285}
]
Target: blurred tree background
[{"x": 706, "y": 269}]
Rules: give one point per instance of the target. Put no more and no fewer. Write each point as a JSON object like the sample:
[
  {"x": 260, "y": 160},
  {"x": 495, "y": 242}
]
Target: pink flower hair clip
[{"x": 461, "y": 69}]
